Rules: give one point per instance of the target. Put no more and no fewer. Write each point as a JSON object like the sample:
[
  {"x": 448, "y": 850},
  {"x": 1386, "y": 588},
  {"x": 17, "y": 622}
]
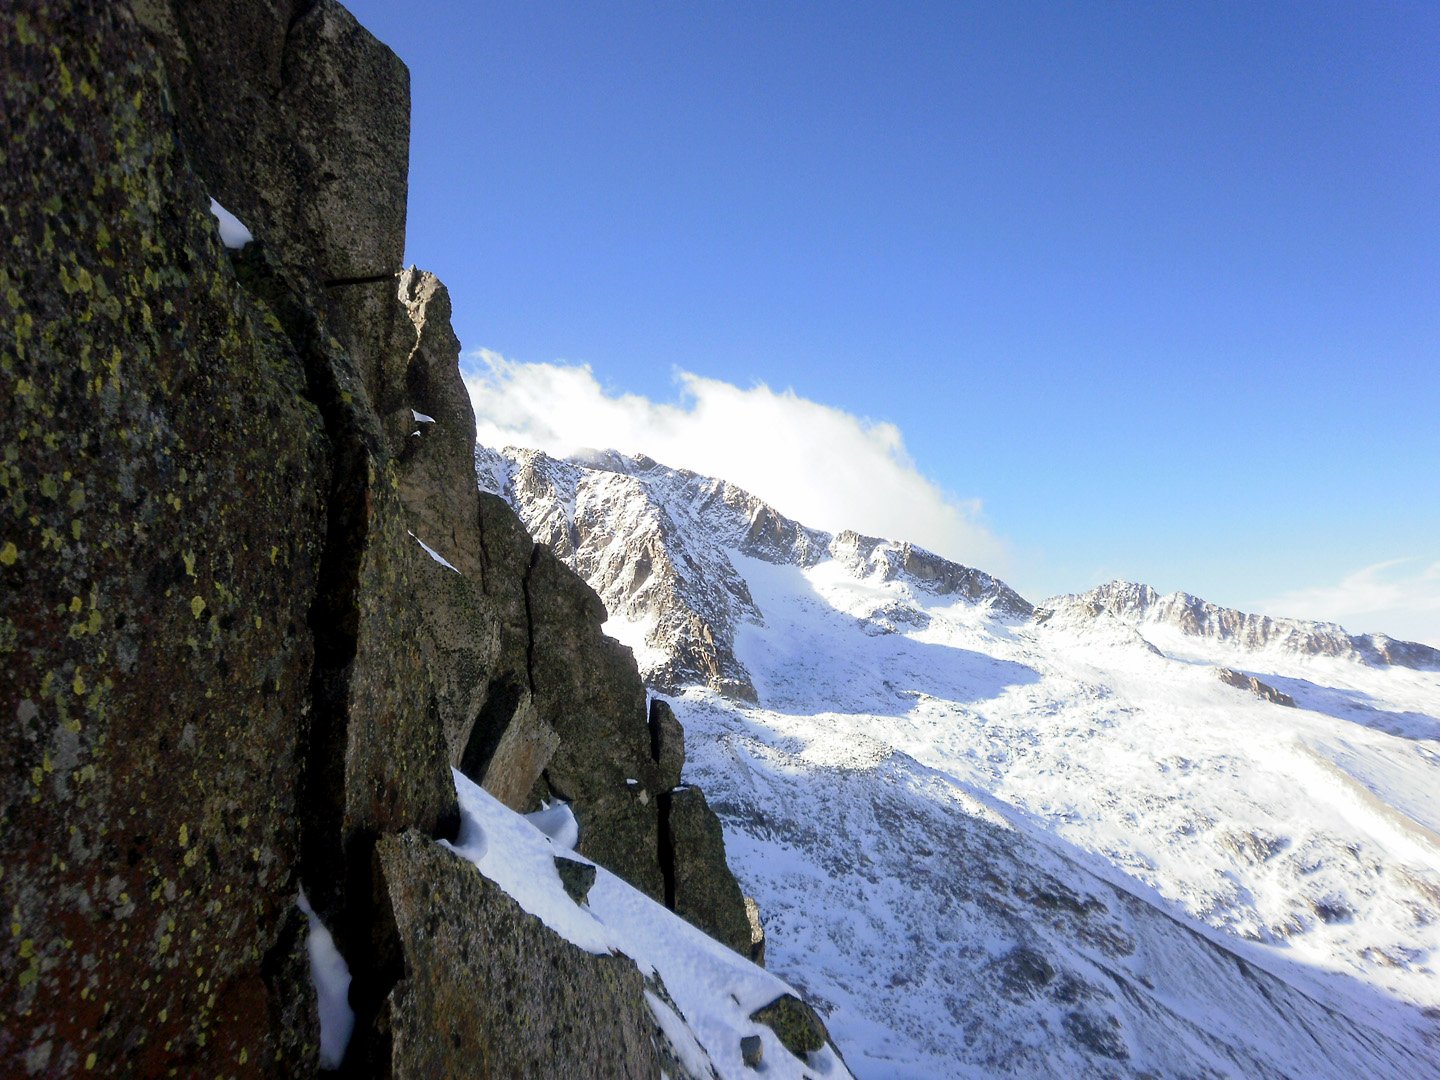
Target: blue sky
[{"x": 1158, "y": 285}]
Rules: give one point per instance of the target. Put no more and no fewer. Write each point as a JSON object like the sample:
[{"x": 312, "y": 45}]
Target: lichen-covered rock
[
  {"x": 490, "y": 991},
  {"x": 705, "y": 892},
  {"x": 795, "y": 1024},
  {"x": 163, "y": 480}
]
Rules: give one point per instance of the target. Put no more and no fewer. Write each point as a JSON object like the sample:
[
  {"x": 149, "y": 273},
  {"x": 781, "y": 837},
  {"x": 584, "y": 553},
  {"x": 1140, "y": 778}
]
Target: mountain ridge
[
  {"x": 652, "y": 541},
  {"x": 1135, "y": 851},
  {"x": 1141, "y": 605}
]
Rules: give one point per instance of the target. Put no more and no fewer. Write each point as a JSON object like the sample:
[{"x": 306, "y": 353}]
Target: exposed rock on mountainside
[
  {"x": 1263, "y": 690},
  {"x": 656, "y": 543},
  {"x": 1140, "y": 605},
  {"x": 548, "y": 1008},
  {"x": 251, "y": 606}
]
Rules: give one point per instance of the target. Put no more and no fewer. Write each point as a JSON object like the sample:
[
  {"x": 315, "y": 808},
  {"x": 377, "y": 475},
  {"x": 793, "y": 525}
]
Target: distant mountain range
[{"x": 1080, "y": 839}]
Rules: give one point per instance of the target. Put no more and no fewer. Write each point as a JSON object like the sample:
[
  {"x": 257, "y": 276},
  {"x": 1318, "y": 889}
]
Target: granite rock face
[
  {"x": 548, "y": 1008},
  {"x": 165, "y": 480},
  {"x": 298, "y": 121},
  {"x": 703, "y": 891},
  {"x": 249, "y": 619}
]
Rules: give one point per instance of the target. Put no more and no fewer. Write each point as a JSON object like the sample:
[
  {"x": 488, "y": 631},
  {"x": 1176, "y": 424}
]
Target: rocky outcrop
[
  {"x": 888, "y": 560},
  {"x": 166, "y": 477},
  {"x": 1141, "y": 605},
  {"x": 699, "y": 885},
  {"x": 249, "y": 617},
  {"x": 547, "y": 1008},
  {"x": 1262, "y": 690}
]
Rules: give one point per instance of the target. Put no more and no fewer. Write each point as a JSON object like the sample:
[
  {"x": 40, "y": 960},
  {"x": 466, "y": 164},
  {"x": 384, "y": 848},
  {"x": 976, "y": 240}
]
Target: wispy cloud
[
  {"x": 1400, "y": 597},
  {"x": 820, "y": 465}
]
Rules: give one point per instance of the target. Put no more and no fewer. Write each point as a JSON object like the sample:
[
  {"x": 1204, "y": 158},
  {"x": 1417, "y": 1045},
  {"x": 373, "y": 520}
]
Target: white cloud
[
  {"x": 1400, "y": 597},
  {"x": 819, "y": 465}
]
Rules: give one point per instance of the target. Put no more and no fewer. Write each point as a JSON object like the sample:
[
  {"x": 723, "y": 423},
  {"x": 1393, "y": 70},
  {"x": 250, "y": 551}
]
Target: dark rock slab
[
  {"x": 705, "y": 892},
  {"x": 489, "y": 991},
  {"x": 577, "y": 877},
  {"x": 667, "y": 743}
]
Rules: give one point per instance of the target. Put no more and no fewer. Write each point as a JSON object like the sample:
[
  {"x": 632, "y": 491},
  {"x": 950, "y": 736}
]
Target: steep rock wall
[{"x": 230, "y": 666}]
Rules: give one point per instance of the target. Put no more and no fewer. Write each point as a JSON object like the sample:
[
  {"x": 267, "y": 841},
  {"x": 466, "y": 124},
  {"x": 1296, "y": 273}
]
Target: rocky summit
[{"x": 258, "y": 625}]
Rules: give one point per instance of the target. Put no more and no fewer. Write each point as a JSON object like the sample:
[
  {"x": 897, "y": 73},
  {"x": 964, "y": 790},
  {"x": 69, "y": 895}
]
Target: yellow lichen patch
[
  {"x": 78, "y": 685},
  {"x": 9, "y": 553},
  {"x": 197, "y": 605},
  {"x": 184, "y": 835}
]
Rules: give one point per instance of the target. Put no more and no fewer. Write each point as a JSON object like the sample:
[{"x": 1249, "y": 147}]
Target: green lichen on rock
[
  {"x": 795, "y": 1024},
  {"x": 230, "y": 666},
  {"x": 158, "y": 436}
]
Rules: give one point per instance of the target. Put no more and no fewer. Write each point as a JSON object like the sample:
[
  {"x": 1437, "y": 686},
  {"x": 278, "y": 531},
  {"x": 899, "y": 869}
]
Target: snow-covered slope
[
  {"x": 1051, "y": 845},
  {"x": 700, "y": 993}
]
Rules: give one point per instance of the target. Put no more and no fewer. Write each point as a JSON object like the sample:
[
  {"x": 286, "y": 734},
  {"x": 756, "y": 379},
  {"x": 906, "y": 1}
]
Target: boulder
[
  {"x": 490, "y": 991},
  {"x": 795, "y": 1024},
  {"x": 752, "y": 1050}
]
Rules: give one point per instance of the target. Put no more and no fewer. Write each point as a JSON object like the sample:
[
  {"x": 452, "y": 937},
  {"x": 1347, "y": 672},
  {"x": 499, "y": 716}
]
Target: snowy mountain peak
[
  {"x": 1125, "y": 834},
  {"x": 1190, "y": 616},
  {"x": 661, "y": 547}
]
